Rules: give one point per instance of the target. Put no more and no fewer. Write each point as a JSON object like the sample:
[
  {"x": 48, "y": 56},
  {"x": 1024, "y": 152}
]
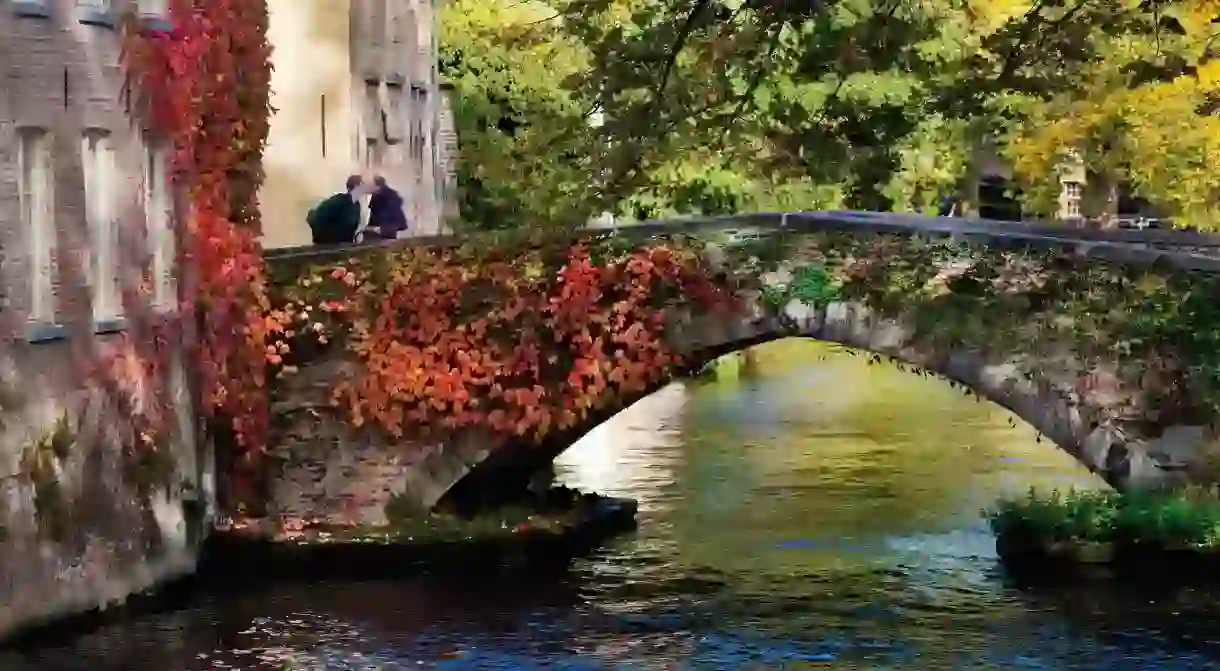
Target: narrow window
[
  {"x": 98, "y": 163},
  {"x": 418, "y": 127},
  {"x": 378, "y": 24},
  {"x": 423, "y": 46},
  {"x": 392, "y": 114},
  {"x": 157, "y": 208},
  {"x": 38, "y": 220},
  {"x": 1072, "y": 192},
  {"x": 322, "y": 123},
  {"x": 374, "y": 123},
  {"x": 372, "y": 156},
  {"x": 397, "y": 20}
]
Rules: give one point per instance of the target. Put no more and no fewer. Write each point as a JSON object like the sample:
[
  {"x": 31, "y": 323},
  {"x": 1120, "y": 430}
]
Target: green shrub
[{"x": 1182, "y": 518}]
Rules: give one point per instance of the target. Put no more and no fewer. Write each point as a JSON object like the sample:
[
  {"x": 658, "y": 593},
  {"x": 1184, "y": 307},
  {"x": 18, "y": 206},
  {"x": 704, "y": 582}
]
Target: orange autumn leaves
[
  {"x": 520, "y": 347},
  {"x": 205, "y": 90}
]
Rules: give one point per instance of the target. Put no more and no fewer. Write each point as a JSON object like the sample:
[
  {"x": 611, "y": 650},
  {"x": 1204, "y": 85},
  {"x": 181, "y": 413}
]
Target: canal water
[{"x": 809, "y": 511}]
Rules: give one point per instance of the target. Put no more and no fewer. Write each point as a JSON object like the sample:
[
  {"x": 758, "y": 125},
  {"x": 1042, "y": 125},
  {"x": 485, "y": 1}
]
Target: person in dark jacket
[
  {"x": 386, "y": 216},
  {"x": 334, "y": 221}
]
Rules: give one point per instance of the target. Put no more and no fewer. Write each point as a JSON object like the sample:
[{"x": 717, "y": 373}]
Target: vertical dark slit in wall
[
  {"x": 65, "y": 88},
  {"x": 323, "y": 129}
]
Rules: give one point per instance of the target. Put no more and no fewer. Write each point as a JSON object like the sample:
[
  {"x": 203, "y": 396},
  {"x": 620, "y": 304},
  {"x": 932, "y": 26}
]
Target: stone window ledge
[
  {"x": 112, "y": 325},
  {"x": 92, "y": 16},
  {"x": 40, "y": 333},
  {"x": 47, "y": 333},
  {"x": 28, "y": 9}
]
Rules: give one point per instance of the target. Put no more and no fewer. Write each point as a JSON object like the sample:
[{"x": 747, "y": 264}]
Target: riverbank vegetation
[
  {"x": 648, "y": 109},
  {"x": 1093, "y": 525}
]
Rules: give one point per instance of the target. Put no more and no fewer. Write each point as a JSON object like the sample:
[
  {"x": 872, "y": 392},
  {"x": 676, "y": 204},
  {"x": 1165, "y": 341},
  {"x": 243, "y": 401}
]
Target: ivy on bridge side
[
  {"x": 519, "y": 341},
  {"x": 527, "y": 339}
]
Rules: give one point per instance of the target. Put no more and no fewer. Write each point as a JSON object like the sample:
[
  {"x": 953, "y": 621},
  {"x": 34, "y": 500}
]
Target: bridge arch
[
  {"x": 479, "y": 475},
  {"x": 330, "y": 466}
]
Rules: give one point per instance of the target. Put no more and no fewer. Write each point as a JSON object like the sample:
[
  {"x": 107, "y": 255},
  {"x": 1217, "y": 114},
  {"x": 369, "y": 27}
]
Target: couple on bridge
[{"x": 336, "y": 220}]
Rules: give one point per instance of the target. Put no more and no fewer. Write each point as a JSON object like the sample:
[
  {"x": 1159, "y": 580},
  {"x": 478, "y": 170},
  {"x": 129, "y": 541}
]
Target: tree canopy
[
  {"x": 524, "y": 142},
  {"x": 730, "y": 105}
]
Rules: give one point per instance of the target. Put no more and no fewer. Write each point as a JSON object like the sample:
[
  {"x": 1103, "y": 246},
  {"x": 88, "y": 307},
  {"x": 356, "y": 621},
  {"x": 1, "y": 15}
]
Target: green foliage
[
  {"x": 1159, "y": 520},
  {"x": 841, "y": 96},
  {"x": 1088, "y": 516},
  {"x": 715, "y": 106},
  {"x": 526, "y": 149},
  {"x": 42, "y": 460},
  {"x": 722, "y": 184},
  {"x": 1141, "y": 112},
  {"x": 1144, "y": 340},
  {"x": 811, "y": 285},
  {"x": 931, "y": 161}
]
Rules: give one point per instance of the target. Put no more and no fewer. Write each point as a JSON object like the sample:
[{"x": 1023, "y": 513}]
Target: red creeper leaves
[
  {"x": 520, "y": 348},
  {"x": 204, "y": 87}
]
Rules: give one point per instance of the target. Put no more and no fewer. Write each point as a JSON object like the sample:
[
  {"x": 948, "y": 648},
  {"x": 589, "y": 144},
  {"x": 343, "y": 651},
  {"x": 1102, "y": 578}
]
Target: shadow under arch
[
  {"x": 503, "y": 473},
  {"x": 508, "y": 470}
]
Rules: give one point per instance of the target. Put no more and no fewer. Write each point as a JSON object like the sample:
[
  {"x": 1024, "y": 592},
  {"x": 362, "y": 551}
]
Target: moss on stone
[
  {"x": 1056, "y": 316},
  {"x": 41, "y": 460},
  {"x": 151, "y": 470},
  {"x": 556, "y": 512}
]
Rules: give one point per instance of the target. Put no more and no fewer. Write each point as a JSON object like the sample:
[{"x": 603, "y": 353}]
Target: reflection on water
[{"x": 824, "y": 513}]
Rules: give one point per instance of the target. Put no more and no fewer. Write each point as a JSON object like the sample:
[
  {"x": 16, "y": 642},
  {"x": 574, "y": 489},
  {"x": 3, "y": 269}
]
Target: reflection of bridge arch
[{"x": 465, "y": 463}]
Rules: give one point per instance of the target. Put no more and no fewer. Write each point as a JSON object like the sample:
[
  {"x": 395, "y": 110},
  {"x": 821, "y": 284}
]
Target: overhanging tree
[{"x": 887, "y": 98}]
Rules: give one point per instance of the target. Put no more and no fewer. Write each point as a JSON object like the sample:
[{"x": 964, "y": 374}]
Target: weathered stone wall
[
  {"x": 334, "y": 472},
  {"x": 82, "y": 523},
  {"x": 326, "y": 470},
  {"x": 1120, "y": 459},
  {"x": 1046, "y": 333},
  {"x": 89, "y": 526}
]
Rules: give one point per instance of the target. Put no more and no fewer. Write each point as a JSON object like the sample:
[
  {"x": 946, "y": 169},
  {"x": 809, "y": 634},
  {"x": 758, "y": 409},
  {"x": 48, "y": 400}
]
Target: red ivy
[
  {"x": 520, "y": 347},
  {"x": 204, "y": 87}
]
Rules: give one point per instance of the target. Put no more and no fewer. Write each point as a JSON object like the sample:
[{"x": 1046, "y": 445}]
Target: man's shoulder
[{"x": 336, "y": 201}]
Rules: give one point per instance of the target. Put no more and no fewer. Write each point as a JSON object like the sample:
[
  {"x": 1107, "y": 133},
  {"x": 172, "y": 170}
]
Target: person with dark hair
[
  {"x": 334, "y": 221},
  {"x": 386, "y": 216}
]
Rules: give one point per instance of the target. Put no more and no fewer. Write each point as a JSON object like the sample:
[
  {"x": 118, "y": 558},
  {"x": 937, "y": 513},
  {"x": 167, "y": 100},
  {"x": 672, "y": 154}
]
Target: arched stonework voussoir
[
  {"x": 1065, "y": 343},
  {"x": 997, "y": 321},
  {"x": 1107, "y": 360}
]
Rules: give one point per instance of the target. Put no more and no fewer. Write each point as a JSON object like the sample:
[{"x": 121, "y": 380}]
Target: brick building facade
[{"x": 84, "y": 210}]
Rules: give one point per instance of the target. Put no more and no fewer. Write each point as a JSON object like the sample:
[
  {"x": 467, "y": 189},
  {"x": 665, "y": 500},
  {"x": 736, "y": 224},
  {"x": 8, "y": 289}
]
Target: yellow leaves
[
  {"x": 988, "y": 16},
  {"x": 1153, "y": 135}
]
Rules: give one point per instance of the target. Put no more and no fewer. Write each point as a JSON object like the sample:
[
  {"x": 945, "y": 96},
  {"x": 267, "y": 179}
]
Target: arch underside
[{"x": 1120, "y": 460}]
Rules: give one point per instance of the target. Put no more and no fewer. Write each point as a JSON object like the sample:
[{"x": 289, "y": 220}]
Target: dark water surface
[{"x": 819, "y": 514}]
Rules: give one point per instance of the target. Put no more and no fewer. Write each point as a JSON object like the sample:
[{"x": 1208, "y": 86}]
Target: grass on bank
[{"x": 1187, "y": 519}]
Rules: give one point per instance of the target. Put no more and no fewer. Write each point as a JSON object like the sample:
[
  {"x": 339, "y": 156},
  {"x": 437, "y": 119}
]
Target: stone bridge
[{"x": 1107, "y": 342}]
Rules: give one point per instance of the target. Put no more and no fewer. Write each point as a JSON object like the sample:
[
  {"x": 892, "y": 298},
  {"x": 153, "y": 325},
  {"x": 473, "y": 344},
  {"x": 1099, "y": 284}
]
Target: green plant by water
[{"x": 1185, "y": 518}]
